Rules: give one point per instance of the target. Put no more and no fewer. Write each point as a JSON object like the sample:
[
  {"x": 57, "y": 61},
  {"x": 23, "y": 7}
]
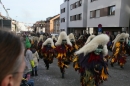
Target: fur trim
[
  {"x": 41, "y": 37},
  {"x": 49, "y": 40},
  {"x": 122, "y": 35},
  {"x": 116, "y": 38},
  {"x": 127, "y": 36},
  {"x": 62, "y": 36},
  {"x": 101, "y": 39},
  {"x": 105, "y": 50},
  {"x": 81, "y": 37},
  {"x": 71, "y": 36},
  {"x": 53, "y": 37},
  {"x": 89, "y": 39}
]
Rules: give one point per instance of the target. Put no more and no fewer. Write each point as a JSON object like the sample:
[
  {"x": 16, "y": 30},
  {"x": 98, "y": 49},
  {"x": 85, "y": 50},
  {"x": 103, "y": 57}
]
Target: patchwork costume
[
  {"x": 63, "y": 49},
  {"x": 48, "y": 52},
  {"x": 119, "y": 50},
  {"x": 91, "y": 60}
]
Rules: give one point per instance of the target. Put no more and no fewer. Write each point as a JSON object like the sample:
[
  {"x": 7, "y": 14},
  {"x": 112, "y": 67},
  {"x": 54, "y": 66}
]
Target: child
[{"x": 36, "y": 59}]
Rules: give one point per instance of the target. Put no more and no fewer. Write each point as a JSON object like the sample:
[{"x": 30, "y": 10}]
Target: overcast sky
[{"x": 30, "y": 11}]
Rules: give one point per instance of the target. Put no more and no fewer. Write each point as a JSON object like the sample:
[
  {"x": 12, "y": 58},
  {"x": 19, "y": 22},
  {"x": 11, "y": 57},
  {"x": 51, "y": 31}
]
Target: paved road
[{"x": 52, "y": 77}]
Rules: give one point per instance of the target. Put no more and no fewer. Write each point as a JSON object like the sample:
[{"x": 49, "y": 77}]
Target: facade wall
[
  {"x": 124, "y": 13},
  {"x": 64, "y": 25},
  {"x": 78, "y": 10},
  {"x": 106, "y": 21}
]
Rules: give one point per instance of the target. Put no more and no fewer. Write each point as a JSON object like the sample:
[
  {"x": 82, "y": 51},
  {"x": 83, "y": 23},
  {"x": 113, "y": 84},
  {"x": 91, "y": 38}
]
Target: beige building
[{"x": 54, "y": 24}]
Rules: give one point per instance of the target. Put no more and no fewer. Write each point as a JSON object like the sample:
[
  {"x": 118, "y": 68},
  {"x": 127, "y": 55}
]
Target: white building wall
[
  {"x": 64, "y": 25},
  {"x": 106, "y": 21},
  {"x": 125, "y": 13},
  {"x": 78, "y": 10}
]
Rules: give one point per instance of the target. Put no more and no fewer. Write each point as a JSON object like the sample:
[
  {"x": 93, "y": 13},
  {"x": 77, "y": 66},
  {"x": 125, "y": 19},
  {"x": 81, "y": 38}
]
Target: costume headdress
[
  {"x": 49, "y": 40},
  {"x": 101, "y": 39},
  {"x": 62, "y": 36},
  {"x": 71, "y": 36},
  {"x": 89, "y": 39}
]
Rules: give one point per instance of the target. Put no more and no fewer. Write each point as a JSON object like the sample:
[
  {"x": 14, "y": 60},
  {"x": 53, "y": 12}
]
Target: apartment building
[
  {"x": 112, "y": 15},
  {"x": 56, "y": 29},
  {"x": 73, "y": 16},
  {"x": 54, "y": 24}
]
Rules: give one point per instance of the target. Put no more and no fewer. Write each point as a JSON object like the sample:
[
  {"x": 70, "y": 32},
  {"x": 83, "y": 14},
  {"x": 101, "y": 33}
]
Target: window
[
  {"x": 62, "y": 20},
  {"x": 63, "y": 10},
  {"x": 80, "y": 16},
  {"x": 71, "y": 6},
  {"x": 93, "y": 0},
  {"x": 80, "y": 2},
  {"x": 76, "y": 4},
  {"x": 97, "y": 13},
  {"x": 92, "y": 14},
  {"x": 71, "y": 18},
  {"x": 111, "y": 10}
]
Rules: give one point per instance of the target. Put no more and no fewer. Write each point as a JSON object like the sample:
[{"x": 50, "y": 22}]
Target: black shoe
[
  {"x": 62, "y": 75},
  {"x": 36, "y": 73},
  {"x": 122, "y": 67},
  {"x": 112, "y": 65}
]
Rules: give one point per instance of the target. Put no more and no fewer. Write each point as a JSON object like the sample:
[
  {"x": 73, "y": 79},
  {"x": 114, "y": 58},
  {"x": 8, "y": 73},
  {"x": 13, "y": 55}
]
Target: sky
[{"x": 30, "y": 11}]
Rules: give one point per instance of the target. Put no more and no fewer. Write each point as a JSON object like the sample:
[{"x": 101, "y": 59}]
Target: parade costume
[
  {"x": 119, "y": 50},
  {"x": 92, "y": 62},
  {"x": 48, "y": 52},
  {"x": 80, "y": 41},
  {"x": 89, "y": 39},
  {"x": 54, "y": 39},
  {"x": 63, "y": 49}
]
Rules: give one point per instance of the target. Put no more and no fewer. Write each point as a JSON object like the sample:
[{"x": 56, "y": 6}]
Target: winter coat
[
  {"x": 28, "y": 59},
  {"x": 35, "y": 58},
  {"x": 28, "y": 67}
]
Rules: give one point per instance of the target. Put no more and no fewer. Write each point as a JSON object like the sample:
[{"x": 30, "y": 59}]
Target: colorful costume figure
[
  {"x": 80, "y": 41},
  {"x": 89, "y": 39},
  {"x": 48, "y": 52},
  {"x": 92, "y": 62},
  {"x": 119, "y": 50},
  {"x": 63, "y": 48},
  {"x": 54, "y": 39},
  {"x": 75, "y": 61}
]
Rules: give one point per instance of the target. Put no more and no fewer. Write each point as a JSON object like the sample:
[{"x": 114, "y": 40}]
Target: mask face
[
  {"x": 98, "y": 50},
  {"x": 49, "y": 44},
  {"x": 64, "y": 41},
  {"x": 122, "y": 40},
  {"x": 72, "y": 40}
]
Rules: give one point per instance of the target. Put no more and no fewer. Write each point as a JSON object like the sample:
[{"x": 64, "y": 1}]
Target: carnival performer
[
  {"x": 80, "y": 41},
  {"x": 54, "y": 39},
  {"x": 48, "y": 52},
  {"x": 63, "y": 48},
  {"x": 119, "y": 50},
  {"x": 39, "y": 45},
  {"x": 91, "y": 59}
]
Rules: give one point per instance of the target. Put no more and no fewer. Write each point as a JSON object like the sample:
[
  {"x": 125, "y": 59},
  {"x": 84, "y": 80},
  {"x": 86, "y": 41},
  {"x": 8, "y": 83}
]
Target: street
[{"x": 52, "y": 77}]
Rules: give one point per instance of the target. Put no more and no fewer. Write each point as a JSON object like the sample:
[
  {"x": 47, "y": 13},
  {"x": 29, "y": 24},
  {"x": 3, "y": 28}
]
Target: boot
[
  {"x": 112, "y": 64},
  {"x": 62, "y": 75},
  {"x": 32, "y": 73},
  {"x": 36, "y": 73}
]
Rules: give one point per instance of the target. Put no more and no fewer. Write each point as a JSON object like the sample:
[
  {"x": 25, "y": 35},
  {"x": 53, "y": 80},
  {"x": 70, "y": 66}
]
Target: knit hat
[{"x": 27, "y": 43}]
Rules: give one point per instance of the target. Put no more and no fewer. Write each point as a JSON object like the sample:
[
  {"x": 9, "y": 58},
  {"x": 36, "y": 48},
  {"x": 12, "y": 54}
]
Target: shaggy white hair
[
  {"x": 40, "y": 38},
  {"x": 116, "y": 38},
  {"x": 89, "y": 39},
  {"x": 71, "y": 36},
  {"x": 49, "y": 40},
  {"x": 53, "y": 37},
  {"x": 101, "y": 39},
  {"x": 62, "y": 36},
  {"x": 122, "y": 35}
]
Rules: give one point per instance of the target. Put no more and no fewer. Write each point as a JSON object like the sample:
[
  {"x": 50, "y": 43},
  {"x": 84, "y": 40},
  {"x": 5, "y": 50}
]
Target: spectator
[{"x": 12, "y": 62}]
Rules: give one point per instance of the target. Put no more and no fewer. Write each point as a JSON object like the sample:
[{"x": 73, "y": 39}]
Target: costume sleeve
[{"x": 117, "y": 49}]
